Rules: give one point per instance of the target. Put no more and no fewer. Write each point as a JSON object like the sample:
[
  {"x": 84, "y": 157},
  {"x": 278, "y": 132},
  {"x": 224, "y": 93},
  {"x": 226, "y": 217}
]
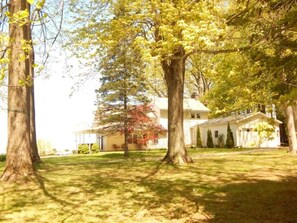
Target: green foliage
[
  {"x": 198, "y": 138},
  {"x": 209, "y": 143},
  {"x": 230, "y": 139},
  {"x": 273, "y": 41},
  {"x": 83, "y": 149},
  {"x": 122, "y": 80},
  {"x": 2, "y": 157},
  {"x": 229, "y": 93},
  {"x": 95, "y": 148},
  {"x": 265, "y": 132},
  {"x": 221, "y": 142}
]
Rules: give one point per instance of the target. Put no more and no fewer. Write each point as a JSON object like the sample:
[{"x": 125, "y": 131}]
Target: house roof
[
  {"x": 235, "y": 119},
  {"x": 189, "y": 104}
]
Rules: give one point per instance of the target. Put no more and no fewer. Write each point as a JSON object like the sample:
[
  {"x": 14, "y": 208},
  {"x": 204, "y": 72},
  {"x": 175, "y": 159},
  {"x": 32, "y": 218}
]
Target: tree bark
[
  {"x": 19, "y": 164},
  {"x": 291, "y": 129},
  {"x": 35, "y": 154},
  {"x": 34, "y": 148},
  {"x": 174, "y": 70}
]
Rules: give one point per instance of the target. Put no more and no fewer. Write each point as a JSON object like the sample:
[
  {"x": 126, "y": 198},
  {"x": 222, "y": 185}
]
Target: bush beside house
[
  {"x": 84, "y": 148},
  {"x": 209, "y": 143},
  {"x": 221, "y": 143},
  {"x": 230, "y": 138},
  {"x": 198, "y": 138},
  {"x": 95, "y": 148}
]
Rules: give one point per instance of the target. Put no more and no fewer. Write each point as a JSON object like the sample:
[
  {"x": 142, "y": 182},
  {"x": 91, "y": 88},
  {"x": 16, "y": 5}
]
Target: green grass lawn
[{"x": 251, "y": 187}]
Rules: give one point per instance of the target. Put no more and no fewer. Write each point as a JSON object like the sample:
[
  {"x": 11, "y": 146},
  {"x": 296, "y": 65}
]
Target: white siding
[{"x": 243, "y": 133}]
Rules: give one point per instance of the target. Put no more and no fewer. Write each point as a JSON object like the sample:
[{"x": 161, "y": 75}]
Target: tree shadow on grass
[
  {"x": 250, "y": 201},
  {"x": 41, "y": 183},
  {"x": 256, "y": 201},
  {"x": 165, "y": 193}
]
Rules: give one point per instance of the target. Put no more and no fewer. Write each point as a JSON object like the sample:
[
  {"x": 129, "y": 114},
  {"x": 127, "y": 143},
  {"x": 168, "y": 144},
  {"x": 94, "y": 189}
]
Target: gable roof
[
  {"x": 189, "y": 104},
  {"x": 235, "y": 119}
]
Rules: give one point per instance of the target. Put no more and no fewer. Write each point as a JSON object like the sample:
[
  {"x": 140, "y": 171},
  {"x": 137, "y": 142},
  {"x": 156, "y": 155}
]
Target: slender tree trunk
[
  {"x": 19, "y": 164},
  {"x": 174, "y": 70},
  {"x": 35, "y": 154},
  {"x": 126, "y": 132},
  {"x": 291, "y": 129}
]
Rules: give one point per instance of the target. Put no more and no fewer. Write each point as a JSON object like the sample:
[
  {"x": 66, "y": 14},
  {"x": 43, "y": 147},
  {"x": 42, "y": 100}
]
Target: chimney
[{"x": 194, "y": 95}]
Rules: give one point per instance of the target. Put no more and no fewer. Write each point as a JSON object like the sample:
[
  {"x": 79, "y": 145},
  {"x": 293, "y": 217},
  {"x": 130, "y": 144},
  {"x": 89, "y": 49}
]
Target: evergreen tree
[
  {"x": 230, "y": 139},
  {"x": 198, "y": 138},
  {"x": 209, "y": 143},
  {"x": 122, "y": 88},
  {"x": 123, "y": 105}
]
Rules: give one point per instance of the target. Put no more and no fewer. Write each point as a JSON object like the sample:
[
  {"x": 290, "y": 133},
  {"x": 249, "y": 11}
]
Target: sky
[{"x": 58, "y": 114}]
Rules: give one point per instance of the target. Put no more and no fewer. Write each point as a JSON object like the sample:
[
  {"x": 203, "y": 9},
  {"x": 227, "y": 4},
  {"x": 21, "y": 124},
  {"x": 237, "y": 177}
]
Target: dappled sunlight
[{"x": 213, "y": 189}]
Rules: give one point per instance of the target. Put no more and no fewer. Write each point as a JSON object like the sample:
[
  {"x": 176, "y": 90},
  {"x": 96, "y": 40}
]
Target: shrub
[
  {"x": 221, "y": 143},
  {"x": 265, "y": 132},
  {"x": 95, "y": 148},
  {"x": 198, "y": 138},
  {"x": 209, "y": 143},
  {"x": 83, "y": 149},
  {"x": 230, "y": 139},
  {"x": 2, "y": 157}
]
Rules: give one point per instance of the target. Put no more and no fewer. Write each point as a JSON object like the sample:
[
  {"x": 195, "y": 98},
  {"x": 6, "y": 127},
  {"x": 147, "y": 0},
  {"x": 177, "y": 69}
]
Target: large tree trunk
[
  {"x": 19, "y": 164},
  {"x": 174, "y": 70},
  {"x": 291, "y": 129}
]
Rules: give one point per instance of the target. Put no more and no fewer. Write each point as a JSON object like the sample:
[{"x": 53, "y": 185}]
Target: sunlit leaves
[{"x": 21, "y": 17}]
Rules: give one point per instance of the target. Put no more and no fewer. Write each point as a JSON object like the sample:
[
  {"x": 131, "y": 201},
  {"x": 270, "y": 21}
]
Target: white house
[
  {"x": 243, "y": 129},
  {"x": 195, "y": 115}
]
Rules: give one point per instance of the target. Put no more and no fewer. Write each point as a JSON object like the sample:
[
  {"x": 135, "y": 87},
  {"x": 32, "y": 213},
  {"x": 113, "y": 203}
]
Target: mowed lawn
[{"x": 259, "y": 186}]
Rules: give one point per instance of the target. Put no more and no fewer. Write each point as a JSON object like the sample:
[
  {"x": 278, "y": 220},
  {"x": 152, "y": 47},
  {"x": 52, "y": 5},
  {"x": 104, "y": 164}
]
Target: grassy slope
[{"x": 254, "y": 187}]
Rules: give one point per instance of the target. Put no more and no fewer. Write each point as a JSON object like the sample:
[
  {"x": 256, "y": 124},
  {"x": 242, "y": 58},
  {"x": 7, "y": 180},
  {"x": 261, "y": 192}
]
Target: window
[
  {"x": 216, "y": 134},
  {"x": 195, "y": 115},
  {"x": 132, "y": 139}
]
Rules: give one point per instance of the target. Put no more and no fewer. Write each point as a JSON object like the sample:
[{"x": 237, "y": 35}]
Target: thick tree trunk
[
  {"x": 174, "y": 70},
  {"x": 291, "y": 129},
  {"x": 19, "y": 164}
]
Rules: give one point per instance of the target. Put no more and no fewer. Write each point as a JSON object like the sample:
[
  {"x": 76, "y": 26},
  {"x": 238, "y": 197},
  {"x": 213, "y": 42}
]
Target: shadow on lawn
[
  {"x": 172, "y": 193},
  {"x": 259, "y": 201},
  {"x": 246, "y": 201}
]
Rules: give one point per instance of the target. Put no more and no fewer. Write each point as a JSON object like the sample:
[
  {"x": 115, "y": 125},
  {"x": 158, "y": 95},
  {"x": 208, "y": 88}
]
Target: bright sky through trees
[{"x": 57, "y": 114}]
